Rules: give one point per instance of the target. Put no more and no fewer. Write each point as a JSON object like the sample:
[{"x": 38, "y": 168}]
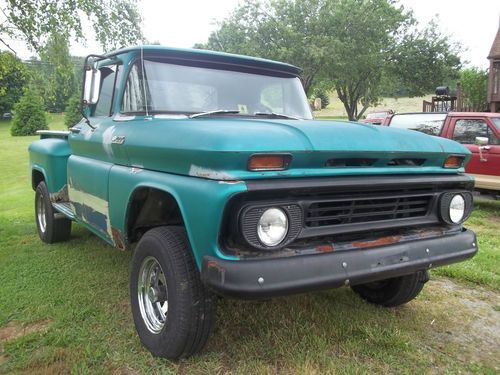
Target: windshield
[
  {"x": 187, "y": 89},
  {"x": 428, "y": 123}
]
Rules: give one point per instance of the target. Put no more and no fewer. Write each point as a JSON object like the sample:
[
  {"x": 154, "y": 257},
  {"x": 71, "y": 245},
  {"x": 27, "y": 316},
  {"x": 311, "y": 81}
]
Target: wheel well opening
[
  {"x": 36, "y": 178},
  {"x": 151, "y": 208}
]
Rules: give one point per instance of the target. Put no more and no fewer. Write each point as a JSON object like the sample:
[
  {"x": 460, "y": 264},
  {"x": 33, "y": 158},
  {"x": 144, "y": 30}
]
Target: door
[
  {"x": 485, "y": 160},
  {"x": 93, "y": 153}
]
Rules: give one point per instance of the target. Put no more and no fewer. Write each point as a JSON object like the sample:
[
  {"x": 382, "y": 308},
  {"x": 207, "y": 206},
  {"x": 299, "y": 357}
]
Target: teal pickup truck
[{"x": 211, "y": 169}]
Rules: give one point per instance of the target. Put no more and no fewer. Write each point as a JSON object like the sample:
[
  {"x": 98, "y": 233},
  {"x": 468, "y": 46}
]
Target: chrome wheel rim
[
  {"x": 40, "y": 213},
  {"x": 152, "y": 294}
]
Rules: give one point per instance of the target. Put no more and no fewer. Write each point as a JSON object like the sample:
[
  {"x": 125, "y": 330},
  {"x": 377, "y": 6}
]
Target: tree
[
  {"x": 12, "y": 80},
  {"x": 38, "y": 73},
  {"x": 73, "y": 114},
  {"x": 116, "y": 22},
  {"x": 474, "y": 87},
  {"x": 56, "y": 74},
  {"x": 379, "y": 47},
  {"x": 362, "y": 32},
  {"x": 423, "y": 60},
  {"x": 354, "y": 46},
  {"x": 284, "y": 30},
  {"x": 29, "y": 115},
  {"x": 60, "y": 78}
]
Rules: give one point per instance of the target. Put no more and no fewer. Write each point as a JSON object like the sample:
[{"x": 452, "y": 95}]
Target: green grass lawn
[{"x": 65, "y": 308}]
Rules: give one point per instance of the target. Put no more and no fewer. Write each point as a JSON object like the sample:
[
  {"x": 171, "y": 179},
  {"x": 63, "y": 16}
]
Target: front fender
[{"x": 201, "y": 202}]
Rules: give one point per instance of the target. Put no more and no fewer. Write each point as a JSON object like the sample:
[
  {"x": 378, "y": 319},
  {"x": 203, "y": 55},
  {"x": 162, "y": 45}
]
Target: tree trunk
[
  {"x": 365, "y": 107},
  {"x": 350, "y": 111},
  {"x": 346, "y": 99}
]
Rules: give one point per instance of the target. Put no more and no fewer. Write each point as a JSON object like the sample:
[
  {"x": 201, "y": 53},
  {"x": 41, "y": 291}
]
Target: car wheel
[
  {"x": 393, "y": 292},
  {"x": 50, "y": 228},
  {"x": 173, "y": 311}
]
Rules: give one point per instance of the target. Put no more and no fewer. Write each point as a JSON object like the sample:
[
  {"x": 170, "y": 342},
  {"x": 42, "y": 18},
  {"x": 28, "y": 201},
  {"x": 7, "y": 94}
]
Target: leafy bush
[
  {"x": 29, "y": 115},
  {"x": 73, "y": 114}
]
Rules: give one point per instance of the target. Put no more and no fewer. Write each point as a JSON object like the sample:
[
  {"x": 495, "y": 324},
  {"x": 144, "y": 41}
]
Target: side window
[
  {"x": 133, "y": 96},
  {"x": 466, "y": 132},
  {"x": 107, "y": 93}
]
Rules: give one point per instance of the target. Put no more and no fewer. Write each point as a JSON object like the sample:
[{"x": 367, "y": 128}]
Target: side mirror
[
  {"x": 91, "y": 86},
  {"x": 481, "y": 141}
]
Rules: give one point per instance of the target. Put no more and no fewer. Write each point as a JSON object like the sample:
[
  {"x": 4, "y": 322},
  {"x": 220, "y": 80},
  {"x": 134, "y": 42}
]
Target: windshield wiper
[
  {"x": 276, "y": 115},
  {"x": 216, "y": 112}
]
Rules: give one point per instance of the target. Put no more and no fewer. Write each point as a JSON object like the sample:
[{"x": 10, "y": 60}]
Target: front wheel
[
  {"x": 393, "y": 292},
  {"x": 50, "y": 228},
  {"x": 173, "y": 311}
]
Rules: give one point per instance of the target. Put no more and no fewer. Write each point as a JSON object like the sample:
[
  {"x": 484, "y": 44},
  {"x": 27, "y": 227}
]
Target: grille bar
[
  {"x": 365, "y": 209},
  {"x": 380, "y": 213},
  {"x": 359, "y": 196},
  {"x": 378, "y": 205}
]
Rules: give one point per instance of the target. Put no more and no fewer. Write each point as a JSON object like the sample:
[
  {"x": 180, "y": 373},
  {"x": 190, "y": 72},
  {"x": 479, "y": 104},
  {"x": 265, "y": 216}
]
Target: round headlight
[
  {"x": 272, "y": 227},
  {"x": 457, "y": 208}
]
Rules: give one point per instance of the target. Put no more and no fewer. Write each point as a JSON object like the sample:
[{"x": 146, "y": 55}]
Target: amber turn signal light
[
  {"x": 269, "y": 162},
  {"x": 453, "y": 161}
]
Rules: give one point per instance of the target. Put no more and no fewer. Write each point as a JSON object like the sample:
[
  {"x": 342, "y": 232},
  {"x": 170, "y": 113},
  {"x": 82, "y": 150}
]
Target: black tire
[
  {"x": 50, "y": 228},
  {"x": 191, "y": 306},
  {"x": 393, "y": 292}
]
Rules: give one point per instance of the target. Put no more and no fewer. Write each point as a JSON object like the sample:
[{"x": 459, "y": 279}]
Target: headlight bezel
[
  {"x": 445, "y": 202},
  {"x": 250, "y": 216}
]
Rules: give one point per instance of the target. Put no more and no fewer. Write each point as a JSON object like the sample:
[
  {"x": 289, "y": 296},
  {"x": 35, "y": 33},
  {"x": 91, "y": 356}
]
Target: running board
[{"x": 64, "y": 210}]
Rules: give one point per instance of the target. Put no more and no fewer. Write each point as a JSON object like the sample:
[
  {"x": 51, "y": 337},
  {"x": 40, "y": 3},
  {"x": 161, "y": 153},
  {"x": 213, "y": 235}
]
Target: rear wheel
[
  {"x": 393, "y": 292},
  {"x": 173, "y": 311},
  {"x": 50, "y": 228}
]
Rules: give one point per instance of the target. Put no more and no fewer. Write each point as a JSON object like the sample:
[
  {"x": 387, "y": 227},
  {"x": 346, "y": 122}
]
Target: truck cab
[{"x": 210, "y": 168}]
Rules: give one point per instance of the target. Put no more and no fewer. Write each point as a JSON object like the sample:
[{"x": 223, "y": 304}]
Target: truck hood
[{"x": 219, "y": 148}]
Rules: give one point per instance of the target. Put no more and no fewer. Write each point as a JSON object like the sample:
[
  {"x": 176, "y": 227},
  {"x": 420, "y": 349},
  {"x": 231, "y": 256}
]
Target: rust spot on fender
[
  {"x": 60, "y": 195},
  {"x": 327, "y": 248},
  {"x": 216, "y": 267},
  {"x": 118, "y": 238},
  {"x": 378, "y": 242},
  {"x": 197, "y": 171},
  {"x": 214, "y": 264}
]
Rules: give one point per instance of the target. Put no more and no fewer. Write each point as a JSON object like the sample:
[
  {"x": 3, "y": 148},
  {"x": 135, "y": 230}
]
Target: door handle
[{"x": 75, "y": 130}]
